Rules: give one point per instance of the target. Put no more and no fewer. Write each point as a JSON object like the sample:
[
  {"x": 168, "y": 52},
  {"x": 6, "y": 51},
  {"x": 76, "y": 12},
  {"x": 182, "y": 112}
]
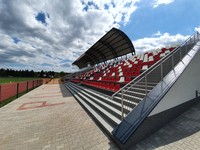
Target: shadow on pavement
[
  {"x": 65, "y": 92},
  {"x": 180, "y": 128}
]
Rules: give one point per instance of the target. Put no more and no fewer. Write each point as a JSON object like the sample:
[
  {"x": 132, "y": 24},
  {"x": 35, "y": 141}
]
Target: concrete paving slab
[
  {"x": 49, "y": 118},
  {"x": 181, "y": 133}
]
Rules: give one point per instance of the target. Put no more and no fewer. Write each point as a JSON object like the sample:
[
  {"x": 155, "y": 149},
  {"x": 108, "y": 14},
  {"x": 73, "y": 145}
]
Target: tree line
[{"x": 30, "y": 73}]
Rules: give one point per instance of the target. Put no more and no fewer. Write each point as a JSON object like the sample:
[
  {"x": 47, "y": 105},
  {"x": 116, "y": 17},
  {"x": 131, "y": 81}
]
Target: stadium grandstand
[{"x": 132, "y": 95}]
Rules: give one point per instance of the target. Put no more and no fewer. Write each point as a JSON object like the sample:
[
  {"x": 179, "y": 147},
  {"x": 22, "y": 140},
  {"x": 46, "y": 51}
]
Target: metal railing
[{"x": 135, "y": 91}]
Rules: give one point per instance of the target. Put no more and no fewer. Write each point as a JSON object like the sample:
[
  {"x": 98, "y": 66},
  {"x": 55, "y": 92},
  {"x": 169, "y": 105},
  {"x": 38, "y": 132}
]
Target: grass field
[{"x": 13, "y": 79}]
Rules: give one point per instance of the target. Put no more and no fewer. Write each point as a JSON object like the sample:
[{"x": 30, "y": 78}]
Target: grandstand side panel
[
  {"x": 180, "y": 97},
  {"x": 184, "y": 89},
  {"x": 153, "y": 123}
]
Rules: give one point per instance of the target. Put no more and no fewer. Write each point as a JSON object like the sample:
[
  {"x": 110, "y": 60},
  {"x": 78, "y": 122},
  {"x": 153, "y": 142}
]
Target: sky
[{"x": 50, "y": 34}]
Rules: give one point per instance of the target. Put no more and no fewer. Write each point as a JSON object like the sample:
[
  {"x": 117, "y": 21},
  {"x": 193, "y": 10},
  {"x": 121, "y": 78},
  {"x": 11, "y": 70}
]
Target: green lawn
[{"x": 13, "y": 79}]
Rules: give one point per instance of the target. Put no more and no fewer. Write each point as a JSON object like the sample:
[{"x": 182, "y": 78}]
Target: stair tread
[
  {"x": 133, "y": 96},
  {"x": 139, "y": 93},
  {"x": 103, "y": 97},
  {"x": 111, "y": 116},
  {"x": 106, "y": 105},
  {"x": 101, "y": 120},
  {"x": 148, "y": 83},
  {"x": 127, "y": 101},
  {"x": 141, "y": 89},
  {"x": 143, "y": 85}
]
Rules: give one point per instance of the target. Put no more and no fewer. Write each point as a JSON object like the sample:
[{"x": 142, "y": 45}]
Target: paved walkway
[
  {"x": 49, "y": 118},
  {"x": 55, "y": 81},
  {"x": 183, "y": 133}
]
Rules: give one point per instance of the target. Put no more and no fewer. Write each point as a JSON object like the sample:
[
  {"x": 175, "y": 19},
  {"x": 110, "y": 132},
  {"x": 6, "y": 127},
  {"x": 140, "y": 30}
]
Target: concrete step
[
  {"x": 102, "y": 110},
  {"x": 105, "y": 98},
  {"x": 127, "y": 104},
  {"x": 140, "y": 90},
  {"x": 148, "y": 87},
  {"x": 109, "y": 114},
  {"x": 102, "y": 104},
  {"x": 131, "y": 98},
  {"x": 148, "y": 83},
  {"x": 135, "y": 93},
  {"x": 108, "y": 127}
]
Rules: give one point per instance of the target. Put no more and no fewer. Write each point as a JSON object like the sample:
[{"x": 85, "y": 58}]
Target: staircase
[
  {"x": 103, "y": 109},
  {"x": 111, "y": 112},
  {"x": 154, "y": 83},
  {"x": 136, "y": 90}
]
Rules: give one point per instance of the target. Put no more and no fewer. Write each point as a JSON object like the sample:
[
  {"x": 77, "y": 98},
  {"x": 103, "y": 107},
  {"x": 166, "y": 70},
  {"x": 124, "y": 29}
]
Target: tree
[
  {"x": 61, "y": 74},
  {"x": 42, "y": 74}
]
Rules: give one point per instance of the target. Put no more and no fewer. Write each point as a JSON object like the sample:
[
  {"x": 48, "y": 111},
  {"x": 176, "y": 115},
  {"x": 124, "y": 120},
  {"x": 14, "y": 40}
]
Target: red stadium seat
[{"x": 112, "y": 75}]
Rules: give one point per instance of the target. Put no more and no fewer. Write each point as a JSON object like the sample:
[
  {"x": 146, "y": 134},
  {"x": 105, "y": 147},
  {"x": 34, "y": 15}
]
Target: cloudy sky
[{"x": 51, "y": 34}]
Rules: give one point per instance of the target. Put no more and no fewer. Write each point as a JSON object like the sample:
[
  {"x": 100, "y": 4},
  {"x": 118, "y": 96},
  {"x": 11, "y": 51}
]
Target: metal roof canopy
[{"x": 113, "y": 44}]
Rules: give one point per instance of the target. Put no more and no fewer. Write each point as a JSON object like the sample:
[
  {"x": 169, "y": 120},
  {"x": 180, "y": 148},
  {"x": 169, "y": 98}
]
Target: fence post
[
  {"x": 186, "y": 47},
  {"x": 17, "y": 90},
  {"x": 197, "y": 93},
  {"x": 161, "y": 75},
  {"x": 0, "y": 93},
  {"x": 33, "y": 84},
  {"x": 173, "y": 61},
  {"x": 180, "y": 53},
  {"x": 195, "y": 37},
  {"x": 145, "y": 84},
  {"x": 122, "y": 103},
  {"x": 27, "y": 87}
]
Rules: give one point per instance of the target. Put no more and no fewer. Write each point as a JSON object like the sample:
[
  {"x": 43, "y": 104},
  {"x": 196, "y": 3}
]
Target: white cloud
[
  {"x": 164, "y": 40},
  {"x": 72, "y": 26},
  {"x": 157, "y": 33},
  {"x": 197, "y": 29},
  {"x": 156, "y": 3}
]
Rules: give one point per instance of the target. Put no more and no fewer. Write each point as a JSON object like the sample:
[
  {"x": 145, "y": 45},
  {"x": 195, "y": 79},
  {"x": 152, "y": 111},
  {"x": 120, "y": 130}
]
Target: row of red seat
[
  {"x": 132, "y": 71},
  {"x": 156, "y": 58},
  {"x": 140, "y": 63},
  {"x": 76, "y": 80},
  {"x": 130, "y": 74},
  {"x": 104, "y": 85},
  {"x": 108, "y": 77}
]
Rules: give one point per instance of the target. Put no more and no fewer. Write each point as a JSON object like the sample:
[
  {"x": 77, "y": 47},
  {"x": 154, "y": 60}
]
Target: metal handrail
[
  {"x": 154, "y": 66},
  {"x": 136, "y": 115},
  {"x": 191, "y": 40}
]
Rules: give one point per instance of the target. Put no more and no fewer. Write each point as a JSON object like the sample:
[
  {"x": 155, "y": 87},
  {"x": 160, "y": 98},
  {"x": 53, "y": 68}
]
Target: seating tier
[{"x": 112, "y": 76}]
